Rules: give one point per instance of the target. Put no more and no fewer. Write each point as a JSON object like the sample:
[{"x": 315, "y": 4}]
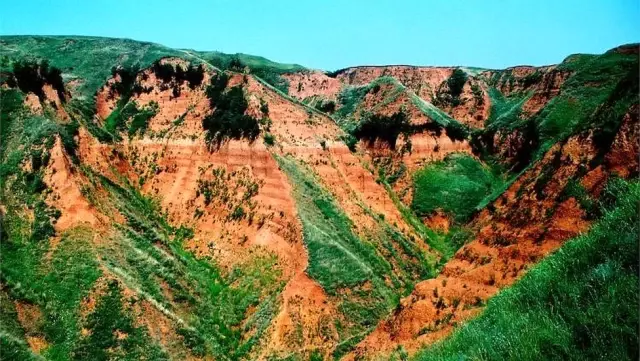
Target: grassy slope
[
  {"x": 455, "y": 185},
  {"x": 31, "y": 271},
  {"x": 340, "y": 260},
  {"x": 600, "y": 89},
  {"x": 351, "y": 97},
  {"x": 519, "y": 322},
  {"x": 579, "y": 303},
  {"x": 593, "y": 80},
  {"x": 207, "y": 308},
  {"x": 591, "y": 84},
  {"x": 91, "y": 58},
  {"x": 87, "y": 58}
]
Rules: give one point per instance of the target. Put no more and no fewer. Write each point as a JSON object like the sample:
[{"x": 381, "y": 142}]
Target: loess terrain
[{"x": 160, "y": 203}]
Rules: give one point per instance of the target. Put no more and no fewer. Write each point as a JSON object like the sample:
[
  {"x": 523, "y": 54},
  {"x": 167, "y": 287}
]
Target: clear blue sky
[{"x": 333, "y": 34}]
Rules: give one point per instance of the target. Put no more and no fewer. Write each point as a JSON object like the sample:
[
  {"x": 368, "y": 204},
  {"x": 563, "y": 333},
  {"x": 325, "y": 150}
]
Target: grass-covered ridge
[
  {"x": 594, "y": 80},
  {"x": 89, "y": 59},
  {"x": 581, "y": 303},
  {"x": 263, "y": 68}
]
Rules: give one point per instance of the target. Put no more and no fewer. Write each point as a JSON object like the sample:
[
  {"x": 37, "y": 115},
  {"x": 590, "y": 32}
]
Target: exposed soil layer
[{"x": 526, "y": 223}]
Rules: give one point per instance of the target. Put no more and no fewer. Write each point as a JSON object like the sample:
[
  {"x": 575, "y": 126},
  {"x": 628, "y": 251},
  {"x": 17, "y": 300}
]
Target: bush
[
  {"x": 269, "y": 139},
  {"x": 379, "y": 127},
  {"x": 326, "y": 107},
  {"x": 350, "y": 141},
  {"x": 31, "y": 76},
  {"x": 456, "y": 82},
  {"x": 126, "y": 85},
  {"x": 236, "y": 64},
  {"x": 228, "y": 120},
  {"x": 177, "y": 75}
]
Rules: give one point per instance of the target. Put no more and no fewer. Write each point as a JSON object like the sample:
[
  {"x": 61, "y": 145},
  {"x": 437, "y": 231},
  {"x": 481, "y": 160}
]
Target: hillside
[{"x": 164, "y": 203}]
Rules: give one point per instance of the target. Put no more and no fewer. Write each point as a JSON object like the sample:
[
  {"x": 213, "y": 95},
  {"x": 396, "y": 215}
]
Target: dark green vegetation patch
[{"x": 228, "y": 120}]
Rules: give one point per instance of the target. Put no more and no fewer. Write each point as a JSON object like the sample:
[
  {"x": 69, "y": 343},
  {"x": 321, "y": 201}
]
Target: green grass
[
  {"x": 610, "y": 79},
  {"x": 351, "y": 97},
  {"x": 455, "y": 185},
  {"x": 130, "y": 119},
  {"x": 54, "y": 281},
  {"x": 340, "y": 260},
  {"x": 590, "y": 85},
  {"x": 103, "y": 343},
  {"x": 56, "y": 286},
  {"x": 505, "y": 111},
  {"x": 90, "y": 59},
  {"x": 147, "y": 251},
  {"x": 208, "y": 308},
  {"x": 580, "y": 303},
  {"x": 263, "y": 68},
  {"x": 433, "y": 239}
]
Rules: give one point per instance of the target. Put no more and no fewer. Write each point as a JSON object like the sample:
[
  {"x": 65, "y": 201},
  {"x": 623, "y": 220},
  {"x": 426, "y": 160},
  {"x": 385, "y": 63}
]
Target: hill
[{"x": 164, "y": 203}]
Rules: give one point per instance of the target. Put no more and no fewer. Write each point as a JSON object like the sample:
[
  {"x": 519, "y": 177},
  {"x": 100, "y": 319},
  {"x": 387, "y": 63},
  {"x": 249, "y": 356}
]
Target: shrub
[
  {"x": 456, "y": 82},
  {"x": 531, "y": 79},
  {"x": 163, "y": 71},
  {"x": 177, "y": 75},
  {"x": 31, "y": 76},
  {"x": 194, "y": 75},
  {"x": 350, "y": 141},
  {"x": 326, "y": 107},
  {"x": 228, "y": 120},
  {"x": 379, "y": 127},
  {"x": 236, "y": 64},
  {"x": 264, "y": 108},
  {"x": 269, "y": 139},
  {"x": 237, "y": 214},
  {"x": 126, "y": 85},
  {"x": 454, "y": 85}
]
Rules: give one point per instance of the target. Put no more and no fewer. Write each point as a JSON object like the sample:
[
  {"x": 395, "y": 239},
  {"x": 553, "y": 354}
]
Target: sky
[{"x": 334, "y": 34}]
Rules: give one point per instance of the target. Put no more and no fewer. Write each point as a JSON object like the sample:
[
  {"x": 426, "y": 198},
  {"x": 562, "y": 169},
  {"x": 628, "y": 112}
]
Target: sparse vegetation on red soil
[{"x": 174, "y": 204}]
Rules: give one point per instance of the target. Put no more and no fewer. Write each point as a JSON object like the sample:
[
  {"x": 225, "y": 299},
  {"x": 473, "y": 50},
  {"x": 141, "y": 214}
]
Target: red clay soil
[
  {"x": 511, "y": 81},
  {"x": 172, "y": 159},
  {"x": 52, "y": 99},
  {"x": 32, "y": 102},
  {"x": 30, "y": 317},
  {"x": 66, "y": 194},
  {"x": 306, "y": 84},
  {"x": 545, "y": 90},
  {"x": 423, "y": 81},
  {"x": 523, "y": 228},
  {"x": 172, "y": 163},
  {"x": 472, "y": 111}
]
